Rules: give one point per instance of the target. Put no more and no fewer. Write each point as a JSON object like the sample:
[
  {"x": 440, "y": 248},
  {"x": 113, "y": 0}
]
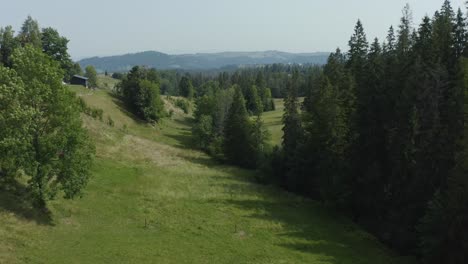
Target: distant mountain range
[{"x": 201, "y": 61}]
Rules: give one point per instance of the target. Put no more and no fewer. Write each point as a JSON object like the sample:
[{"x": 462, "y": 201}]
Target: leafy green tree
[
  {"x": 203, "y": 131},
  {"x": 58, "y": 153},
  {"x": 55, "y": 46},
  {"x": 149, "y": 101},
  {"x": 141, "y": 94},
  {"x": 8, "y": 43},
  {"x": 91, "y": 74},
  {"x": 75, "y": 69},
  {"x": 15, "y": 122},
  {"x": 186, "y": 87},
  {"x": 30, "y": 33}
]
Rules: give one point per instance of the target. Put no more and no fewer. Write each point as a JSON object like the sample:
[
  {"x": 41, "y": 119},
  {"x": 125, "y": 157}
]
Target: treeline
[
  {"x": 382, "y": 136},
  {"x": 141, "y": 91},
  {"x": 274, "y": 76},
  {"x": 42, "y": 142}
]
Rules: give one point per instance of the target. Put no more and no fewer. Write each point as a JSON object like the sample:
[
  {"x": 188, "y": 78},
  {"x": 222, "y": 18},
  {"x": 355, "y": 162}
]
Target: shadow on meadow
[
  {"x": 120, "y": 104},
  {"x": 14, "y": 198},
  {"x": 307, "y": 226}
]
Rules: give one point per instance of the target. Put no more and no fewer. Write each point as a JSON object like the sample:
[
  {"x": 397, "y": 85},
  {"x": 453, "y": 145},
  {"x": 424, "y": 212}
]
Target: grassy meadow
[
  {"x": 154, "y": 199},
  {"x": 273, "y": 121}
]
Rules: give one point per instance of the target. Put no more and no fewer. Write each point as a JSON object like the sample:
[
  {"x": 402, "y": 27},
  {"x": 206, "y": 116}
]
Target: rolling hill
[
  {"x": 200, "y": 61},
  {"x": 154, "y": 199}
]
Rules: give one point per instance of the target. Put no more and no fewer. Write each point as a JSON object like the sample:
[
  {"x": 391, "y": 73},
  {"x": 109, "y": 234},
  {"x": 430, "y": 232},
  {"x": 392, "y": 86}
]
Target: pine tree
[
  {"x": 237, "y": 128},
  {"x": 253, "y": 100},
  {"x": 460, "y": 34},
  {"x": 358, "y": 46},
  {"x": 404, "y": 44},
  {"x": 292, "y": 131}
]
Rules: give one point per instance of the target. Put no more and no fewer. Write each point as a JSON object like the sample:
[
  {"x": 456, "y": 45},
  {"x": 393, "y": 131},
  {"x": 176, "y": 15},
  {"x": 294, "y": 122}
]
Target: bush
[
  {"x": 117, "y": 75},
  {"x": 183, "y": 104}
]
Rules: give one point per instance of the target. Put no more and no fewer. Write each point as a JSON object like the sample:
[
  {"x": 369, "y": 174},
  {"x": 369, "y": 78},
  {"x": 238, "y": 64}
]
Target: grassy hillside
[
  {"x": 106, "y": 82},
  {"x": 152, "y": 199}
]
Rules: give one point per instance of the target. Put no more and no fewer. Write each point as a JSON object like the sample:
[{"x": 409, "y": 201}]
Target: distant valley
[{"x": 201, "y": 61}]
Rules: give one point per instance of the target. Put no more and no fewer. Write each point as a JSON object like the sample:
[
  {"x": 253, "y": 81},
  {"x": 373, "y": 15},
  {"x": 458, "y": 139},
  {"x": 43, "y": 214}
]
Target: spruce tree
[
  {"x": 237, "y": 128},
  {"x": 292, "y": 131}
]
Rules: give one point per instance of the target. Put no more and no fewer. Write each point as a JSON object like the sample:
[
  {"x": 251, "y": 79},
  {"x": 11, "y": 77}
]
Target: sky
[{"x": 112, "y": 27}]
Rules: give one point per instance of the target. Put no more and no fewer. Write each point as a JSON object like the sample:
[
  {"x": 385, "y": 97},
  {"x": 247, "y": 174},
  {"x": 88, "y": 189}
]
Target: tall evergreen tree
[
  {"x": 30, "y": 33},
  {"x": 292, "y": 131},
  {"x": 253, "y": 100},
  {"x": 237, "y": 137}
]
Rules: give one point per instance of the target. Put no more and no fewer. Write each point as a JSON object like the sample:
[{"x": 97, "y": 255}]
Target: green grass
[
  {"x": 152, "y": 199},
  {"x": 273, "y": 121},
  {"x": 106, "y": 82}
]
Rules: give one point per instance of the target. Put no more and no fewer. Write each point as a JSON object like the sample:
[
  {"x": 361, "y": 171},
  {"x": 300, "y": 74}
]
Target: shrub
[{"x": 183, "y": 104}]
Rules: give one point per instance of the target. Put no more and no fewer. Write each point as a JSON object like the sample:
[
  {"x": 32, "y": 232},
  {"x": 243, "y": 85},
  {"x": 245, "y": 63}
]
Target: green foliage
[
  {"x": 140, "y": 91},
  {"x": 253, "y": 101},
  {"x": 91, "y": 74},
  {"x": 117, "y": 75},
  {"x": 183, "y": 104},
  {"x": 203, "y": 131},
  {"x": 212, "y": 107},
  {"x": 186, "y": 88},
  {"x": 55, "y": 46},
  {"x": 149, "y": 174},
  {"x": 95, "y": 113},
  {"x": 291, "y": 118},
  {"x": 75, "y": 70},
  {"x": 30, "y": 33},
  {"x": 8, "y": 43},
  {"x": 15, "y": 124},
  {"x": 380, "y": 132},
  {"x": 243, "y": 142},
  {"x": 52, "y": 148}
]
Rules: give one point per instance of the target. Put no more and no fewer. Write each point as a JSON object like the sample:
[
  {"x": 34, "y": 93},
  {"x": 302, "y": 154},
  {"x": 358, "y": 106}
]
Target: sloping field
[{"x": 152, "y": 199}]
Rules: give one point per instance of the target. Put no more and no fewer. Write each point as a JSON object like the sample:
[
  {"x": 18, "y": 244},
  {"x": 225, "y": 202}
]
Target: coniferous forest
[{"x": 380, "y": 134}]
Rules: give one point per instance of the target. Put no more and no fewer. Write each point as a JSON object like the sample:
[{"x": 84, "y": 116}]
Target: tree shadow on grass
[
  {"x": 183, "y": 139},
  {"x": 308, "y": 226},
  {"x": 181, "y": 132},
  {"x": 14, "y": 198},
  {"x": 117, "y": 100}
]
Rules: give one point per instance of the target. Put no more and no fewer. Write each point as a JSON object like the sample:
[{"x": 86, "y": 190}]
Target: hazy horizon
[{"x": 108, "y": 28}]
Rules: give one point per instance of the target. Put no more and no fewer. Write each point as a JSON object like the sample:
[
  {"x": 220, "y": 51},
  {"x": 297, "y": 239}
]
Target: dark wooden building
[{"x": 79, "y": 80}]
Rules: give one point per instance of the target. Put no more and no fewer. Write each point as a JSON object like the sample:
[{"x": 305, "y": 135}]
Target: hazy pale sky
[{"x": 109, "y": 27}]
